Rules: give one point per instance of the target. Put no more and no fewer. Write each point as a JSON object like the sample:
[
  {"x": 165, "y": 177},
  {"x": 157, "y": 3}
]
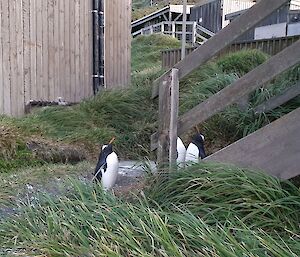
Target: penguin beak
[{"x": 202, "y": 152}]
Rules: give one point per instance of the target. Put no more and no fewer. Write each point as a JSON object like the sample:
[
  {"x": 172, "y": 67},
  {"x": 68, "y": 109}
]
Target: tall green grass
[
  {"x": 209, "y": 192},
  {"x": 189, "y": 216}
]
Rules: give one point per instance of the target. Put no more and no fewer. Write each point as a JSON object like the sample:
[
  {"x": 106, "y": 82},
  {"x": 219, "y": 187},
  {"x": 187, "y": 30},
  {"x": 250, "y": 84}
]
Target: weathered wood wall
[
  {"x": 117, "y": 15},
  {"x": 45, "y": 52},
  {"x": 270, "y": 46}
]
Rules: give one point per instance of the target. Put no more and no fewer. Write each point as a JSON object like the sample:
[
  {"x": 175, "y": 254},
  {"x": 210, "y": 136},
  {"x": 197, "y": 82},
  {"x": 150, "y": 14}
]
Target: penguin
[
  {"x": 107, "y": 167},
  {"x": 195, "y": 150},
  {"x": 181, "y": 151}
]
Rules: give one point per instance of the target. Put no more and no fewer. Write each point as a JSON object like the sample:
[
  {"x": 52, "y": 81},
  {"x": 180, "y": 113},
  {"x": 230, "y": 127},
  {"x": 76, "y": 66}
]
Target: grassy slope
[{"x": 205, "y": 211}]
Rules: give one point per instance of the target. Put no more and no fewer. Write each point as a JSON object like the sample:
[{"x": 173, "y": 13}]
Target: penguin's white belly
[
  {"x": 181, "y": 151},
  {"x": 192, "y": 154},
  {"x": 109, "y": 177}
]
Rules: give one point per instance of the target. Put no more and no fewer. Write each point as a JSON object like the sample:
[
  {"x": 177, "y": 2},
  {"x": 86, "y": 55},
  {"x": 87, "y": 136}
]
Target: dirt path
[{"x": 26, "y": 185}]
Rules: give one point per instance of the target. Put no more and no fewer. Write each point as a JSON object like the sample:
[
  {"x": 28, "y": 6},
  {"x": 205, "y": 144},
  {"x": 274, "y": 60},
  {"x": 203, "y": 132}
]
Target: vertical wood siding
[
  {"x": 117, "y": 15},
  {"x": 45, "y": 52},
  {"x": 230, "y": 6}
]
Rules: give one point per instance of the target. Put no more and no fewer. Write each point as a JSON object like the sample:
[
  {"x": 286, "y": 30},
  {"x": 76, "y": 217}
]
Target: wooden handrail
[
  {"x": 265, "y": 72},
  {"x": 240, "y": 88},
  {"x": 279, "y": 100},
  {"x": 222, "y": 39},
  {"x": 243, "y": 86}
]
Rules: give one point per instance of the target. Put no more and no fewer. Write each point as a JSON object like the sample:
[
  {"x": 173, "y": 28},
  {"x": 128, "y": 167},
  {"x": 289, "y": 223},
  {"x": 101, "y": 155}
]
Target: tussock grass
[
  {"x": 13, "y": 150},
  {"x": 9, "y": 139},
  {"x": 173, "y": 222},
  {"x": 241, "y": 62},
  {"x": 215, "y": 195}
]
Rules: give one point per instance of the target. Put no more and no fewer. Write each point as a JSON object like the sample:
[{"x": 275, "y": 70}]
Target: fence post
[
  {"x": 173, "y": 29},
  {"x": 151, "y": 30},
  {"x": 167, "y": 120},
  {"x": 162, "y": 28},
  {"x": 174, "y": 117},
  {"x": 194, "y": 33}
]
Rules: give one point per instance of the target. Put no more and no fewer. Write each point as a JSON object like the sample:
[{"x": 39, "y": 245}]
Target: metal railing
[{"x": 173, "y": 29}]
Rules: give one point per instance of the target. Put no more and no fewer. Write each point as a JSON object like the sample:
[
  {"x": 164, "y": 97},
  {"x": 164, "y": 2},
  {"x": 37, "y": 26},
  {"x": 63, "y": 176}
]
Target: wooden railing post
[
  {"x": 164, "y": 122},
  {"x": 174, "y": 117},
  {"x": 173, "y": 29},
  {"x": 168, "y": 115}
]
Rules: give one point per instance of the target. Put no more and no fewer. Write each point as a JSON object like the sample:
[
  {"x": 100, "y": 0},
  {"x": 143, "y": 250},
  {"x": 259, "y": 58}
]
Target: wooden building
[
  {"x": 48, "y": 50},
  {"x": 282, "y": 23},
  {"x": 211, "y": 14},
  {"x": 214, "y": 15}
]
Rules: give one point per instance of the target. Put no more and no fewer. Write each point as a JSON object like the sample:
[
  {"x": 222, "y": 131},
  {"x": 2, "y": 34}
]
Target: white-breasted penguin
[
  {"x": 195, "y": 150},
  {"x": 107, "y": 167},
  {"x": 181, "y": 151}
]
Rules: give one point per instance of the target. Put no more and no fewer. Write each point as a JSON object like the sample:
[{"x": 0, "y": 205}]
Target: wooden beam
[
  {"x": 276, "y": 101},
  {"x": 243, "y": 86},
  {"x": 164, "y": 123},
  {"x": 168, "y": 120},
  {"x": 174, "y": 118},
  {"x": 273, "y": 148},
  {"x": 240, "y": 88},
  {"x": 222, "y": 39}
]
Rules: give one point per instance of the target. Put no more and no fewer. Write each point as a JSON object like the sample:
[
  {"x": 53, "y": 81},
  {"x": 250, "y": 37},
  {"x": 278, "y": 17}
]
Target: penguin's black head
[
  {"x": 106, "y": 150},
  {"x": 198, "y": 140}
]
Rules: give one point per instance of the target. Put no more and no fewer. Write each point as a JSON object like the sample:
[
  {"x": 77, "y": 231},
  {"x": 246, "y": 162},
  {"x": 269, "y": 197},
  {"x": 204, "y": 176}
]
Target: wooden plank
[
  {"x": 115, "y": 38},
  {"x": 82, "y": 29},
  {"x": 20, "y": 103},
  {"x": 237, "y": 90},
  {"x": 1, "y": 61},
  {"x": 273, "y": 148},
  {"x": 27, "y": 50},
  {"x": 109, "y": 70},
  {"x": 88, "y": 46},
  {"x": 39, "y": 53},
  {"x": 51, "y": 51},
  {"x": 127, "y": 51},
  {"x": 45, "y": 52},
  {"x": 6, "y": 57},
  {"x": 62, "y": 53},
  {"x": 222, "y": 39},
  {"x": 13, "y": 58},
  {"x": 279, "y": 100},
  {"x": 164, "y": 123},
  {"x": 67, "y": 74},
  {"x": 33, "y": 51},
  {"x": 243, "y": 86},
  {"x": 72, "y": 51},
  {"x": 174, "y": 118},
  {"x": 56, "y": 49},
  {"x": 78, "y": 90}
]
